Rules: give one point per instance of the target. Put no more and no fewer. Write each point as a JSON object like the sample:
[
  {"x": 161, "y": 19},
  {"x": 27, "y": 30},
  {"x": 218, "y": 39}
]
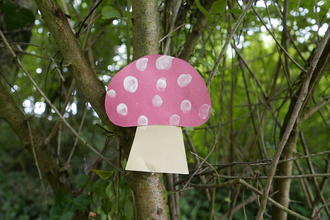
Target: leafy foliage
[{"x": 65, "y": 206}]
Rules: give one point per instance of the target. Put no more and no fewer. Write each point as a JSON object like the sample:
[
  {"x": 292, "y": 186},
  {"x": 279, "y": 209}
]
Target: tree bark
[
  {"x": 282, "y": 186},
  {"x": 148, "y": 189}
]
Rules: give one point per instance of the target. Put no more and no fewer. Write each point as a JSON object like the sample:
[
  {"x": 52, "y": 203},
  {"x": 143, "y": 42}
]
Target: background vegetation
[{"x": 266, "y": 64}]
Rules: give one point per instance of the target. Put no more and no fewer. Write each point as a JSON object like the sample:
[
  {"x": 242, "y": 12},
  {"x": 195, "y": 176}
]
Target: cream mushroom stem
[{"x": 158, "y": 148}]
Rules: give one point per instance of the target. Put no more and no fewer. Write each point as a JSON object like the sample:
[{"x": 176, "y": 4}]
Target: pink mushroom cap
[{"x": 158, "y": 90}]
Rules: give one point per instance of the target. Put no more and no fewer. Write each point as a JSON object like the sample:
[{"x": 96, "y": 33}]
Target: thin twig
[
  {"x": 256, "y": 191},
  {"x": 316, "y": 108},
  {"x": 170, "y": 33},
  {"x": 275, "y": 177},
  {"x": 42, "y": 48},
  {"x": 35, "y": 156},
  {"x": 323, "y": 206},
  {"x": 279, "y": 44},
  {"x": 311, "y": 169},
  {"x": 76, "y": 141},
  {"x": 207, "y": 156},
  {"x": 56, "y": 126},
  {"x": 228, "y": 39},
  {"x": 174, "y": 15},
  {"x": 89, "y": 14}
]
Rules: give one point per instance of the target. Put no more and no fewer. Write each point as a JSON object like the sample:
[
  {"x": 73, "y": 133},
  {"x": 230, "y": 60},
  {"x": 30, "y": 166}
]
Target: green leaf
[
  {"x": 203, "y": 62},
  {"x": 103, "y": 174},
  {"x": 65, "y": 206},
  {"x": 62, "y": 209},
  {"x": 189, "y": 128},
  {"x": 235, "y": 11},
  {"x": 7, "y": 7},
  {"x": 219, "y": 6},
  {"x": 203, "y": 10},
  {"x": 227, "y": 199},
  {"x": 110, "y": 12},
  {"x": 16, "y": 18},
  {"x": 81, "y": 202}
]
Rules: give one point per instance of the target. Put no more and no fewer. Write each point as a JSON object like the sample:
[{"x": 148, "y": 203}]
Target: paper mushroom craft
[{"x": 159, "y": 94}]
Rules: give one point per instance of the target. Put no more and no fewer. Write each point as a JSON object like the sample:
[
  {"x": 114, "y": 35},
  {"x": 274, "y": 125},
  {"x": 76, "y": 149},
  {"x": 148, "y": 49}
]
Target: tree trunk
[
  {"x": 282, "y": 186},
  {"x": 148, "y": 189}
]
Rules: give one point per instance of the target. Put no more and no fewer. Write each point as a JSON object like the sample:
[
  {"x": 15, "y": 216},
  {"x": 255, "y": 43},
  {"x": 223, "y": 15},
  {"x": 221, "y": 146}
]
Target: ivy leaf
[
  {"x": 7, "y": 7},
  {"x": 62, "y": 209},
  {"x": 65, "y": 205},
  {"x": 188, "y": 129},
  {"x": 16, "y": 18},
  {"x": 235, "y": 11},
  {"x": 81, "y": 202},
  {"x": 103, "y": 174},
  {"x": 219, "y": 6},
  {"x": 110, "y": 12},
  {"x": 203, "y": 10}
]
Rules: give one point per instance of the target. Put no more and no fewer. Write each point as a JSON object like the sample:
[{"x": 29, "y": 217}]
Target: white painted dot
[
  {"x": 130, "y": 84},
  {"x": 204, "y": 111},
  {"x": 141, "y": 64},
  {"x": 111, "y": 93},
  {"x": 122, "y": 109},
  {"x": 142, "y": 120},
  {"x": 157, "y": 101},
  {"x": 161, "y": 84},
  {"x": 185, "y": 106},
  {"x": 164, "y": 62},
  {"x": 184, "y": 80},
  {"x": 174, "y": 120}
]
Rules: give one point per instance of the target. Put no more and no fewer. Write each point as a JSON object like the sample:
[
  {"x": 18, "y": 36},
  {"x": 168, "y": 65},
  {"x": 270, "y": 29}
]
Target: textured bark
[
  {"x": 282, "y": 186},
  {"x": 149, "y": 197},
  {"x": 145, "y": 27},
  {"x": 148, "y": 188}
]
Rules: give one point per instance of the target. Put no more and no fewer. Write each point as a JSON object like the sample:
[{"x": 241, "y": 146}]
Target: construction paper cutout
[
  {"x": 158, "y": 94},
  {"x": 158, "y": 87},
  {"x": 153, "y": 151}
]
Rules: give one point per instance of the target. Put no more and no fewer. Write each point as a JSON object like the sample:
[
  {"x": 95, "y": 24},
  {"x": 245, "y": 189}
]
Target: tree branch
[
  {"x": 88, "y": 82},
  {"x": 227, "y": 42},
  {"x": 316, "y": 108}
]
